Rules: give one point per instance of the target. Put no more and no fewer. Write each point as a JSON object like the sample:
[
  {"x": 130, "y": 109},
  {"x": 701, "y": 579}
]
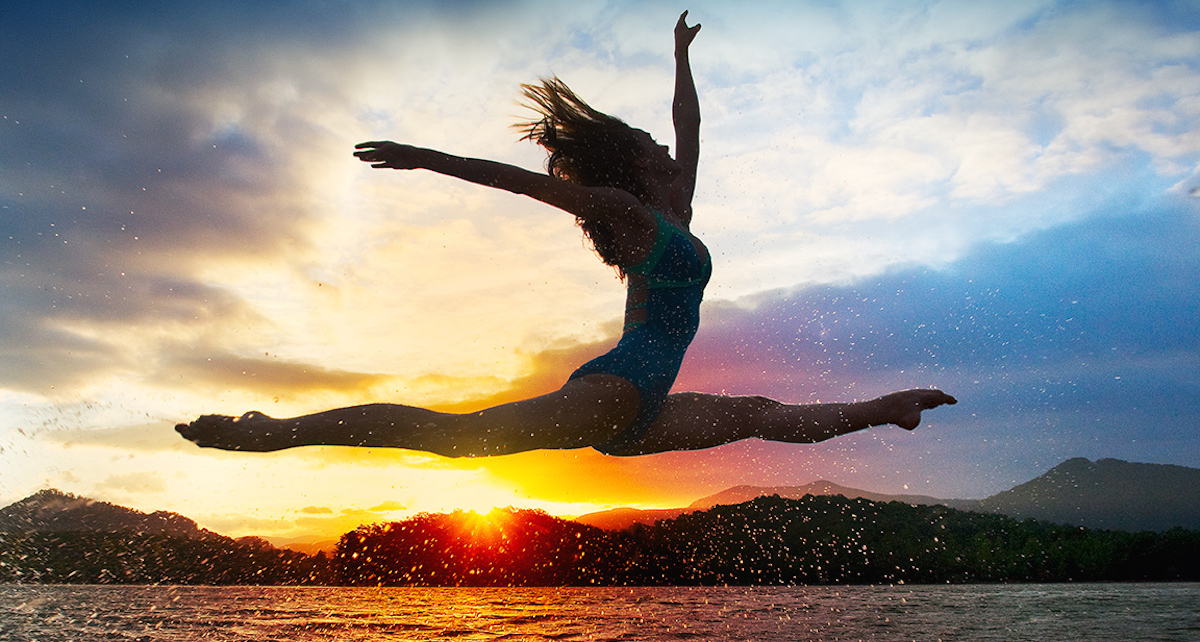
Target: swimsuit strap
[
  {"x": 664, "y": 233},
  {"x": 662, "y": 238}
]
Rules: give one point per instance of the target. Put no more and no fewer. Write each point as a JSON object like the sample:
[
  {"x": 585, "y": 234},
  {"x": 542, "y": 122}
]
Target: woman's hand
[
  {"x": 386, "y": 154},
  {"x": 684, "y": 35}
]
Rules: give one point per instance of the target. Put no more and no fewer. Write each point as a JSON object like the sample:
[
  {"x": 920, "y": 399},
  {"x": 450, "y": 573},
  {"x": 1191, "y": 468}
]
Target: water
[{"x": 975, "y": 612}]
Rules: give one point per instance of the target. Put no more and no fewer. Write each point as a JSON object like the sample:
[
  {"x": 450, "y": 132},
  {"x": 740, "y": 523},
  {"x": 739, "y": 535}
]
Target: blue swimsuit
[{"x": 669, "y": 284}]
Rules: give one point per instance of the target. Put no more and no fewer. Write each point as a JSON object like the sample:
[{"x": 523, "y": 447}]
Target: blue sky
[{"x": 998, "y": 199}]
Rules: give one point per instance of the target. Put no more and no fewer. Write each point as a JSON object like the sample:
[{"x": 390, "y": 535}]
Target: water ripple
[{"x": 973, "y": 612}]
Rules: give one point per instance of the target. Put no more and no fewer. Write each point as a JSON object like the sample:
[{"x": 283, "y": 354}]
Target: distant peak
[
  {"x": 52, "y": 493},
  {"x": 1108, "y": 493},
  {"x": 53, "y": 498},
  {"x": 53, "y": 510}
]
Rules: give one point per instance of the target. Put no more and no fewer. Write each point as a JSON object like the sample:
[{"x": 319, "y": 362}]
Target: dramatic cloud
[
  {"x": 1080, "y": 339},
  {"x": 997, "y": 198}
]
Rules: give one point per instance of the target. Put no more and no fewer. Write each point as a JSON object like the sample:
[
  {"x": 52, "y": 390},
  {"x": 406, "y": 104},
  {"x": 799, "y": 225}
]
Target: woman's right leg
[
  {"x": 589, "y": 410},
  {"x": 693, "y": 421}
]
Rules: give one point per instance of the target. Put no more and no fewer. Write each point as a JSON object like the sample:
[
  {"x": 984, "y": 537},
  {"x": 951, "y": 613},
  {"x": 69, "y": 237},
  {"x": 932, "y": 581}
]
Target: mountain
[
  {"x": 55, "y": 511},
  {"x": 620, "y": 518},
  {"x": 768, "y": 540},
  {"x": 742, "y": 494},
  {"x": 1106, "y": 494},
  {"x": 309, "y": 545},
  {"x": 53, "y": 537}
]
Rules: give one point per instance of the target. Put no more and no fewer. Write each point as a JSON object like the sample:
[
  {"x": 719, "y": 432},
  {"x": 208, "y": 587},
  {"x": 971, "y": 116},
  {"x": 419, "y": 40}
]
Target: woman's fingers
[
  {"x": 373, "y": 152},
  {"x": 387, "y": 154},
  {"x": 683, "y": 33}
]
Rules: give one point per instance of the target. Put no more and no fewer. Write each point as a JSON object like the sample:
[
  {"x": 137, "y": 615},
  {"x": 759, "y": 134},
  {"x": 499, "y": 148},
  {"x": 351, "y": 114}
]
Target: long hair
[{"x": 586, "y": 146}]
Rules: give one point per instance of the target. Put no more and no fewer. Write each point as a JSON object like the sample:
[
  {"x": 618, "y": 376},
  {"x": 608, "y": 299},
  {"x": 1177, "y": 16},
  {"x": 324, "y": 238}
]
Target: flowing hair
[{"x": 586, "y": 146}]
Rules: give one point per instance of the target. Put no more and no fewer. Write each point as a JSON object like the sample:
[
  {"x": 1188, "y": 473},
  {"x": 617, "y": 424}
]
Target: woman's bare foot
[
  {"x": 904, "y": 408},
  {"x": 253, "y": 432}
]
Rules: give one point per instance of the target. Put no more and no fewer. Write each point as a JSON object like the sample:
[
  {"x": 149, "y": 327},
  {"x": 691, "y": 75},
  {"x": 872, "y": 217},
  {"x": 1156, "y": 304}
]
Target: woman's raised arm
[{"x": 685, "y": 112}]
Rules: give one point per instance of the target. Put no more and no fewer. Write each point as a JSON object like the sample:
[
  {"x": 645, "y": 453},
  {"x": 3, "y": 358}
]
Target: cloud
[
  {"x": 116, "y": 190},
  {"x": 546, "y": 372},
  {"x": 264, "y": 375},
  {"x": 1113, "y": 279},
  {"x": 148, "y": 437},
  {"x": 140, "y": 482},
  {"x": 158, "y": 161},
  {"x": 1083, "y": 335},
  {"x": 66, "y": 330},
  {"x": 235, "y": 525},
  {"x": 388, "y": 507},
  {"x": 946, "y": 127},
  {"x": 316, "y": 510},
  {"x": 310, "y": 521}
]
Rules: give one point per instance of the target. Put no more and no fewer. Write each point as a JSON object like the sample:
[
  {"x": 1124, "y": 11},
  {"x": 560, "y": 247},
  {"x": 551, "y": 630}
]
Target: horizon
[
  {"x": 311, "y": 542},
  {"x": 998, "y": 200}
]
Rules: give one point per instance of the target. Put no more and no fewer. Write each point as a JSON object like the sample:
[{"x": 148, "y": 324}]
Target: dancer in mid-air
[{"x": 634, "y": 202}]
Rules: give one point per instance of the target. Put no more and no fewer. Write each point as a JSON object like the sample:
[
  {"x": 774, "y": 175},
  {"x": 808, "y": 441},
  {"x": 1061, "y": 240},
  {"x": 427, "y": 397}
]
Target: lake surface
[{"x": 1036, "y": 612}]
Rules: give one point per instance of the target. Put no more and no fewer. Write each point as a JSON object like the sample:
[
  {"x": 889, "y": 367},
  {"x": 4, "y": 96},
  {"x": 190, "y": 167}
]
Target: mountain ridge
[
  {"x": 51, "y": 510},
  {"x": 1105, "y": 494},
  {"x": 741, "y": 494},
  {"x": 619, "y": 518}
]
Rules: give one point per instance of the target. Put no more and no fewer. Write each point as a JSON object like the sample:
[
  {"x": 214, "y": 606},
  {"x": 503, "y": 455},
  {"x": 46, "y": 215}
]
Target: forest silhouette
[{"x": 770, "y": 540}]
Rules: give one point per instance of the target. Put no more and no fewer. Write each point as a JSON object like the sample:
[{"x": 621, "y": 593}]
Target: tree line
[
  {"x": 99, "y": 557},
  {"x": 771, "y": 540}
]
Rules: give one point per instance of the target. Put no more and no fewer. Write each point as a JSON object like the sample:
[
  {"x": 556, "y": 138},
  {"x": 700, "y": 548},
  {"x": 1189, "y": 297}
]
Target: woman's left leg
[
  {"x": 692, "y": 420},
  {"x": 587, "y": 410}
]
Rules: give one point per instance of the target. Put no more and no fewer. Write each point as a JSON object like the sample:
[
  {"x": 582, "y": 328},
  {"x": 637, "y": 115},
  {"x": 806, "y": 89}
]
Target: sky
[{"x": 998, "y": 199}]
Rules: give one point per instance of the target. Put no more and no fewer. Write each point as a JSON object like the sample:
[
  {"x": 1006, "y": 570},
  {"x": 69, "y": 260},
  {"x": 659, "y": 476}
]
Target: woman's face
[{"x": 654, "y": 157}]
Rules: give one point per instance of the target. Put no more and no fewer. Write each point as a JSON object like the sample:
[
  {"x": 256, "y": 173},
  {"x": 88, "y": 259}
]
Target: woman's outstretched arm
[
  {"x": 685, "y": 112},
  {"x": 598, "y": 203}
]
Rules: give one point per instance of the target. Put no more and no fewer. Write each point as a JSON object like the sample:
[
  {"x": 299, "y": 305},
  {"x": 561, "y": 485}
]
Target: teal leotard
[{"x": 651, "y": 351}]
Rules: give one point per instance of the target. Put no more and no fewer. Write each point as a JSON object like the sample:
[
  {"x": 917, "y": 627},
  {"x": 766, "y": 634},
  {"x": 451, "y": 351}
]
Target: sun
[{"x": 488, "y": 530}]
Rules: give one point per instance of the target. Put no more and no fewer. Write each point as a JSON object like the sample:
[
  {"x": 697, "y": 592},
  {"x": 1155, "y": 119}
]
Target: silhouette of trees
[
  {"x": 834, "y": 540},
  {"x": 96, "y": 557},
  {"x": 504, "y": 548},
  {"x": 815, "y": 540}
]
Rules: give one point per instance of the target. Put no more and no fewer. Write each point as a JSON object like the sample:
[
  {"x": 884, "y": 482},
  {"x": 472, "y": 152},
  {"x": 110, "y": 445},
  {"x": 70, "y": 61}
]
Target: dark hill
[
  {"x": 619, "y": 518},
  {"x": 1106, "y": 494},
  {"x": 55, "y": 511},
  {"x": 616, "y": 519},
  {"x": 768, "y": 540},
  {"x": 821, "y": 488},
  {"x": 53, "y": 537}
]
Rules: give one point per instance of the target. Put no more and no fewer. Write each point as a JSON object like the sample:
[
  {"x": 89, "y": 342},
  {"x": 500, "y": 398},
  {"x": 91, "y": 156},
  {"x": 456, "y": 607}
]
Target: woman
[{"x": 634, "y": 201}]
